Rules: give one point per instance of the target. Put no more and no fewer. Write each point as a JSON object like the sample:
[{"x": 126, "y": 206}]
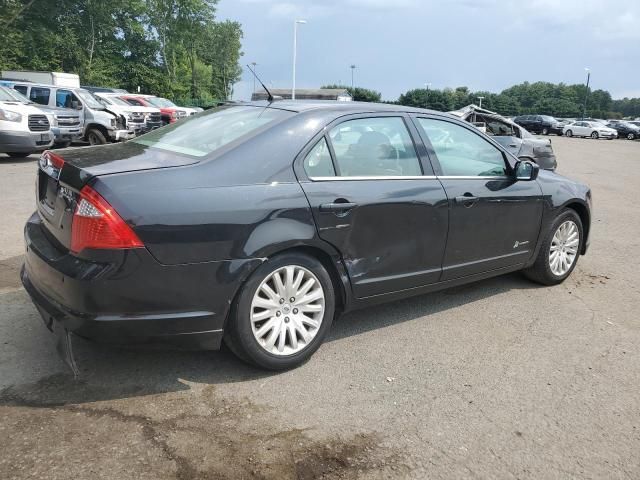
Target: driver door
[{"x": 494, "y": 219}]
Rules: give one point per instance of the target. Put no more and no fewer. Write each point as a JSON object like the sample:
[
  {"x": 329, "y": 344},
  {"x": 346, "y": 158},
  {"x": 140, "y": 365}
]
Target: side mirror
[{"x": 526, "y": 170}]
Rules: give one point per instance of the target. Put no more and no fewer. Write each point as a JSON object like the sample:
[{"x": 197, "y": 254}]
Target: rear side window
[
  {"x": 462, "y": 152},
  {"x": 318, "y": 162},
  {"x": 379, "y": 146},
  {"x": 204, "y": 134},
  {"x": 40, "y": 95}
]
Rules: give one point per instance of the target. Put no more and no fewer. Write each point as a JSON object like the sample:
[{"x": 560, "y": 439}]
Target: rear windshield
[{"x": 204, "y": 134}]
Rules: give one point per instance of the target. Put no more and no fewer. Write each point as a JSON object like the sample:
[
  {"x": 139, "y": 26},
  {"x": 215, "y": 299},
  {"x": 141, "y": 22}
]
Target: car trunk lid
[{"x": 63, "y": 173}]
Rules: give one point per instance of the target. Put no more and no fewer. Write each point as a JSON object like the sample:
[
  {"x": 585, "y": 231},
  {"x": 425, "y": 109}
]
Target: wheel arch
[
  {"x": 330, "y": 260},
  {"x": 585, "y": 217},
  {"x": 97, "y": 126}
]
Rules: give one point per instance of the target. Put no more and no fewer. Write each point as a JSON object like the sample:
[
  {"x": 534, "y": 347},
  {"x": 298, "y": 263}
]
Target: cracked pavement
[{"x": 499, "y": 379}]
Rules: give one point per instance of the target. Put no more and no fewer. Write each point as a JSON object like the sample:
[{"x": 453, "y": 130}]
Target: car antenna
[{"x": 269, "y": 96}]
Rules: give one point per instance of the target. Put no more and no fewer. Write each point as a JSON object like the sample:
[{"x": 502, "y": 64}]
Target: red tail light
[{"x": 97, "y": 225}]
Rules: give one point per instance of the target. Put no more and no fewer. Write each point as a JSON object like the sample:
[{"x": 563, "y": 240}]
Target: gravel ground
[{"x": 498, "y": 379}]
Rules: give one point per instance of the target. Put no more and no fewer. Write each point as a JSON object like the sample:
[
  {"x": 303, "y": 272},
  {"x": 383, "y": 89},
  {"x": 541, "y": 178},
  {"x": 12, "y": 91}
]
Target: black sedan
[
  {"x": 258, "y": 223},
  {"x": 541, "y": 124},
  {"x": 625, "y": 129}
]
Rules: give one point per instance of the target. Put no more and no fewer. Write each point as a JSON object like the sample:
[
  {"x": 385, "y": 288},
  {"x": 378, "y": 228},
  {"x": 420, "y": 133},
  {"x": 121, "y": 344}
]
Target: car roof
[{"x": 333, "y": 105}]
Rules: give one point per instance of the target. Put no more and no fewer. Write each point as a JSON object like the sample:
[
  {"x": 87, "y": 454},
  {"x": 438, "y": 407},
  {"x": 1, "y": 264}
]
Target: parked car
[
  {"x": 517, "y": 140},
  {"x": 186, "y": 236},
  {"x": 170, "y": 113},
  {"x": 66, "y": 123},
  {"x": 139, "y": 119},
  {"x": 625, "y": 129},
  {"x": 24, "y": 129},
  {"x": 541, "y": 124},
  {"x": 589, "y": 129},
  {"x": 100, "y": 124},
  {"x": 104, "y": 89}
]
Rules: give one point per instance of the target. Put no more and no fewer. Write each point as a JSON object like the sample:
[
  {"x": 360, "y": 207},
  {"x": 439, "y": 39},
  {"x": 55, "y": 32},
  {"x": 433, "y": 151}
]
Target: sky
[{"x": 398, "y": 45}]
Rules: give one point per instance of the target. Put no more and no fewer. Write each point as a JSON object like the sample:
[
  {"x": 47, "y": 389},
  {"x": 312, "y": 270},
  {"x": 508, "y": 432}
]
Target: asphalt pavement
[{"x": 499, "y": 379}]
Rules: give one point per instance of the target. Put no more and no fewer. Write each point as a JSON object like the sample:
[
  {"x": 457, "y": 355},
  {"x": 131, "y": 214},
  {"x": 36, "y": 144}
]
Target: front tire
[
  {"x": 283, "y": 313},
  {"x": 595, "y": 135},
  {"x": 545, "y": 131},
  {"x": 559, "y": 251},
  {"x": 630, "y": 136},
  {"x": 96, "y": 137}
]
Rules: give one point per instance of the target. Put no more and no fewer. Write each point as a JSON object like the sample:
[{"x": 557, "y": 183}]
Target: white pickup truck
[{"x": 24, "y": 129}]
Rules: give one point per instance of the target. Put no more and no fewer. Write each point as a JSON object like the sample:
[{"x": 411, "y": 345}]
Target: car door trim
[{"x": 372, "y": 177}]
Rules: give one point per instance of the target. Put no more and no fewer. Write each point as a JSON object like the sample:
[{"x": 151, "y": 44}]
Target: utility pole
[
  {"x": 353, "y": 67},
  {"x": 295, "y": 47},
  {"x": 586, "y": 94},
  {"x": 426, "y": 100}
]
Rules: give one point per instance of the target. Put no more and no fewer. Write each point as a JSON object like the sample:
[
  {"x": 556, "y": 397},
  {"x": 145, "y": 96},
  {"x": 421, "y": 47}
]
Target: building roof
[{"x": 304, "y": 93}]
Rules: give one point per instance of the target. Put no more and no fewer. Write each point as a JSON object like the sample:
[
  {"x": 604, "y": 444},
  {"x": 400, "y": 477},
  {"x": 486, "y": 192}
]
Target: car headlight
[
  {"x": 10, "y": 116},
  {"x": 113, "y": 122}
]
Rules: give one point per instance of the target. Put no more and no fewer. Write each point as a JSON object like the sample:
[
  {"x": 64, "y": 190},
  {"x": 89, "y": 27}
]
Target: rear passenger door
[
  {"x": 494, "y": 219},
  {"x": 377, "y": 202}
]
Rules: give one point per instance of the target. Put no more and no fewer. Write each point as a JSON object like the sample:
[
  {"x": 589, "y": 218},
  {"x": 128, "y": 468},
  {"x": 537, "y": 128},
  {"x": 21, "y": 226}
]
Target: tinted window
[
  {"x": 462, "y": 152},
  {"x": 21, "y": 88},
  {"x": 40, "y": 95},
  {"x": 206, "y": 133},
  {"x": 374, "y": 147},
  {"x": 318, "y": 162}
]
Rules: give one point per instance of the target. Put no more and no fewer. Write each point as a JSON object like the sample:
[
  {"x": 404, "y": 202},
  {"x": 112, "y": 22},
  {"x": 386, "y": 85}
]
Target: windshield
[
  {"x": 89, "y": 100},
  {"x": 160, "y": 102},
  {"x": 204, "y": 134},
  {"x": 15, "y": 95},
  {"x": 118, "y": 101}
]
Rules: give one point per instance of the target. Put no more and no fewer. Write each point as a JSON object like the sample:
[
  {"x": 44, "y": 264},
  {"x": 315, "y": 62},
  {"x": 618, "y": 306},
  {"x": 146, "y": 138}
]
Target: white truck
[
  {"x": 59, "y": 79},
  {"x": 24, "y": 129}
]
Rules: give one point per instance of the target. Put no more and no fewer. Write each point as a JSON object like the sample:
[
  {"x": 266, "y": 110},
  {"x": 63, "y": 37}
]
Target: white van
[
  {"x": 101, "y": 125},
  {"x": 24, "y": 129}
]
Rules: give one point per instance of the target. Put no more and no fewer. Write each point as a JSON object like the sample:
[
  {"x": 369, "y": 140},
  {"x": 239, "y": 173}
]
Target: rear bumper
[
  {"x": 131, "y": 299},
  {"x": 25, "y": 142}
]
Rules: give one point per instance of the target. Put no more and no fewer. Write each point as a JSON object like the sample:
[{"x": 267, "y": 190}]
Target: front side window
[
  {"x": 462, "y": 152},
  {"x": 21, "y": 88},
  {"x": 40, "y": 95},
  {"x": 64, "y": 98},
  {"x": 318, "y": 162},
  {"x": 379, "y": 146},
  {"x": 204, "y": 134}
]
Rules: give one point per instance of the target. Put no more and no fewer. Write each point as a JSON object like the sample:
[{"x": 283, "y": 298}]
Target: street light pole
[
  {"x": 295, "y": 47},
  {"x": 480, "y": 98},
  {"x": 254, "y": 77},
  {"x": 353, "y": 67},
  {"x": 586, "y": 94}
]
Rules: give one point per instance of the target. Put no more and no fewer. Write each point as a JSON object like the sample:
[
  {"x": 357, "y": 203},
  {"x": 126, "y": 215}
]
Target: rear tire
[
  {"x": 545, "y": 131},
  {"x": 296, "y": 328},
  {"x": 542, "y": 271},
  {"x": 18, "y": 154},
  {"x": 630, "y": 136},
  {"x": 96, "y": 137},
  {"x": 569, "y": 133}
]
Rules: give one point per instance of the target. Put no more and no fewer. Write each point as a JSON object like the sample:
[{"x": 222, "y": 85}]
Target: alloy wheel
[
  {"x": 564, "y": 248},
  {"x": 594, "y": 135},
  {"x": 569, "y": 133},
  {"x": 287, "y": 310},
  {"x": 630, "y": 136},
  {"x": 545, "y": 131}
]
